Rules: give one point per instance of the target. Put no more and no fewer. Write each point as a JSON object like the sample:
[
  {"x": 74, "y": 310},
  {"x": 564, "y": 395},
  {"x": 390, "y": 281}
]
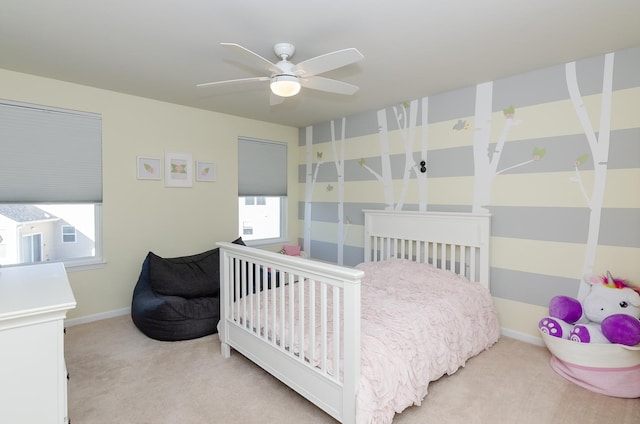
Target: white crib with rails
[{"x": 300, "y": 319}]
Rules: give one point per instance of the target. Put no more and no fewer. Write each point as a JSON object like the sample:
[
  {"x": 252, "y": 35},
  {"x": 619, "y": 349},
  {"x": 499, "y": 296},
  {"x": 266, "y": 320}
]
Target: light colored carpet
[{"x": 118, "y": 375}]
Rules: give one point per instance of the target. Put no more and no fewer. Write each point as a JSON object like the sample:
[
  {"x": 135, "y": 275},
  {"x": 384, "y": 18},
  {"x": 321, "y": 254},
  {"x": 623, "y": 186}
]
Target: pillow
[
  {"x": 186, "y": 276},
  {"x": 292, "y": 250}
]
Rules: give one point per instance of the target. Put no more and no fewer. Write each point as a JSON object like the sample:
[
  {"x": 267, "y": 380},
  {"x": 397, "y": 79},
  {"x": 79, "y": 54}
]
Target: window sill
[
  {"x": 71, "y": 266},
  {"x": 84, "y": 266},
  {"x": 265, "y": 242}
]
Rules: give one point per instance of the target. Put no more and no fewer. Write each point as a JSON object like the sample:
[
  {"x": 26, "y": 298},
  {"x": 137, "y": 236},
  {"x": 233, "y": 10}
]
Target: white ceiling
[{"x": 161, "y": 49}]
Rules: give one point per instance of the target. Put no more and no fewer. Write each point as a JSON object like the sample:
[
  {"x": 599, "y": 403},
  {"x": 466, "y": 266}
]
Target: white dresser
[{"x": 34, "y": 301}]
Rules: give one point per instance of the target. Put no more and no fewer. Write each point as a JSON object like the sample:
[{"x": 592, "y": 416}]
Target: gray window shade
[
  {"x": 49, "y": 155},
  {"x": 262, "y": 168}
]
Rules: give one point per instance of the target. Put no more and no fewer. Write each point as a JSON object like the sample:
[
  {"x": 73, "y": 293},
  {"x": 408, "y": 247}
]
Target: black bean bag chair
[{"x": 178, "y": 298}]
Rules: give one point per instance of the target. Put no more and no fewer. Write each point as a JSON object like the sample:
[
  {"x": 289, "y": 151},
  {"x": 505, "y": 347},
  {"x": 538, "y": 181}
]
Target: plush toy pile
[
  {"x": 610, "y": 313},
  {"x": 596, "y": 343}
]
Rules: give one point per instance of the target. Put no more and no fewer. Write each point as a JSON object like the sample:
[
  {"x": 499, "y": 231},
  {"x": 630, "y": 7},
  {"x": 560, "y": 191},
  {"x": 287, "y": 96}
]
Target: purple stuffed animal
[{"x": 610, "y": 313}]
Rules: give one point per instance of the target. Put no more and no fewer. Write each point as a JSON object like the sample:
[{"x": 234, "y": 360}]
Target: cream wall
[{"x": 143, "y": 215}]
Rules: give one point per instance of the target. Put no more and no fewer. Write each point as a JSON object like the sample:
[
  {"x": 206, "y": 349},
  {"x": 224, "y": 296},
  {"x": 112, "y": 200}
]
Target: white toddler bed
[{"x": 390, "y": 334}]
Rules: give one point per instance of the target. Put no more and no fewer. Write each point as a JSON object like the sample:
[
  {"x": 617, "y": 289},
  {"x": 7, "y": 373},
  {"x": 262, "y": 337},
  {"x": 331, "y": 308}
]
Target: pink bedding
[{"x": 418, "y": 323}]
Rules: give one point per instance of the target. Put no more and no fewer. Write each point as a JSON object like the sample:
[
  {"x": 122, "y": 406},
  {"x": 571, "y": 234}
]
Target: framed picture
[
  {"x": 205, "y": 171},
  {"x": 148, "y": 168},
  {"x": 178, "y": 170}
]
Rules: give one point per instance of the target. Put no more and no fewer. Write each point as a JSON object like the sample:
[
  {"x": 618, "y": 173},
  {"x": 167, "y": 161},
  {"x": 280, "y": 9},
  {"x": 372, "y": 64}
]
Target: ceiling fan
[{"x": 286, "y": 78}]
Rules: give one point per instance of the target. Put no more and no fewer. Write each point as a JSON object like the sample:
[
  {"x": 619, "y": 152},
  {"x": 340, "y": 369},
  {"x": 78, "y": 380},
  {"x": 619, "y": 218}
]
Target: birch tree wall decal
[
  {"x": 385, "y": 161},
  {"x": 407, "y": 121},
  {"x": 310, "y": 181},
  {"x": 406, "y": 118},
  {"x": 337, "y": 145},
  {"x": 599, "y": 149},
  {"x": 424, "y": 144},
  {"x": 485, "y": 166},
  {"x": 481, "y": 135}
]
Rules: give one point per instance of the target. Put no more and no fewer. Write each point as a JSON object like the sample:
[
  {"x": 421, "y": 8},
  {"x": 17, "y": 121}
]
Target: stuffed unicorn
[{"x": 610, "y": 313}]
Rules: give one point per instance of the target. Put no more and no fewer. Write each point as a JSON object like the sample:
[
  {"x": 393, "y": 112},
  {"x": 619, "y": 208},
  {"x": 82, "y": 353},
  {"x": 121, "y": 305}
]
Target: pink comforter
[{"x": 455, "y": 320}]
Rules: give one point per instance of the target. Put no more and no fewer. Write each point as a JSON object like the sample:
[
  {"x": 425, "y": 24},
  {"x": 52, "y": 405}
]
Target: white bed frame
[{"x": 455, "y": 241}]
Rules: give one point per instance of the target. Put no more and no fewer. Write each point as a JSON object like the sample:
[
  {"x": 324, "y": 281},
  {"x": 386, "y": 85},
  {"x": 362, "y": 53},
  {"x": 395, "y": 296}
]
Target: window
[
  {"x": 261, "y": 221},
  {"x": 50, "y": 185},
  {"x": 247, "y": 228},
  {"x": 32, "y": 248},
  {"x": 262, "y": 191},
  {"x": 68, "y": 234}
]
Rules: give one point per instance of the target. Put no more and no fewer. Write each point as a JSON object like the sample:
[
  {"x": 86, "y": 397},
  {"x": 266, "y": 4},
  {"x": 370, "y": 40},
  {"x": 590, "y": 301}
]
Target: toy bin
[{"x": 608, "y": 369}]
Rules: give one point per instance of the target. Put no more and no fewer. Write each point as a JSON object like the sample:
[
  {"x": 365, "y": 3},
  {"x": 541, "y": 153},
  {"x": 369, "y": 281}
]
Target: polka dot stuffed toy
[{"x": 609, "y": 313}]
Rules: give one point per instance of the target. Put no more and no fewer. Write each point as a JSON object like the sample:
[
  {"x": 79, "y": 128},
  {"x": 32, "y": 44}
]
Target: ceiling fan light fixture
[{"x": 285, "y": 85}]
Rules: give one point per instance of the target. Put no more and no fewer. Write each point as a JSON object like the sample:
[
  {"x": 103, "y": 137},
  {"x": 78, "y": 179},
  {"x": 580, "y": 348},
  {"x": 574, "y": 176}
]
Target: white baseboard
[
  {"x": 96, "y": 317},
  {"x": 527, "y": 338}
]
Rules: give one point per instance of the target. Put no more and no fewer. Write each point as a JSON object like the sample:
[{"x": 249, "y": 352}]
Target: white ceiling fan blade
[
  {"x": 330, "y": 85},
  {"x": 257, "y": 60},
  {"x": 233, "y": 81},
  {"x": 328, "y": 62}
]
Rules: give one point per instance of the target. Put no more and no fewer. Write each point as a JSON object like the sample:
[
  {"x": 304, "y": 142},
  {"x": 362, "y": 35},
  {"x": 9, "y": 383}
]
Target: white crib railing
[{"x": 296, "y": 318}]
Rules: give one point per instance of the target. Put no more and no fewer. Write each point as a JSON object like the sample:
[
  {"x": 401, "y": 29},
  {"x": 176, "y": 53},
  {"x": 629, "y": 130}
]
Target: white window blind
[
  {"x": 49, "y": 155},
  {"x": 262, "y": 168}
]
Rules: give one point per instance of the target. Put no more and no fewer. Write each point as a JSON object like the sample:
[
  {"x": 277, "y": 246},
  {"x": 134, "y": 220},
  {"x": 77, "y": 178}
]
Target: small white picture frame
[
  {"x": 178, "y": 170},
  {"x": 148, "y": 168},
  {"x": 205, "y": 171}
]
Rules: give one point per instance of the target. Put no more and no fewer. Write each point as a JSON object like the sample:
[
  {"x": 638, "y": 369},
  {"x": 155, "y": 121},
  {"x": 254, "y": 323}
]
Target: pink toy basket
[{"x": 609, "y": 369}]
